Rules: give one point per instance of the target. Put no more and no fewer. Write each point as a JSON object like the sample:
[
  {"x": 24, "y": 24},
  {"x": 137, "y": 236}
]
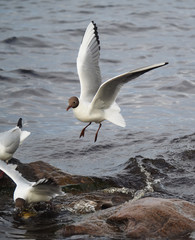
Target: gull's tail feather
[
  {"x": 23, "y": 136},
  {"x": 113, "y": 115}
]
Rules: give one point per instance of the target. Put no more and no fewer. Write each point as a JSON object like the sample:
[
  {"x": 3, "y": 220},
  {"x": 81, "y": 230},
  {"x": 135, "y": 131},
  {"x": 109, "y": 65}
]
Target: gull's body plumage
[
  {"x": 42, "y": 190},
  {"x": 11, "y": 140},
  {"x": 97, "y": 100}
]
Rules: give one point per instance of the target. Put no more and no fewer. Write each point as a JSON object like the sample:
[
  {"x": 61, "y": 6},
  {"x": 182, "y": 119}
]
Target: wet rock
[
  {"x": 90, "y": 183},
  {"x": 77, "y": 184},
  {"x": 90, "y": 202},
  {"x": 105, "y": 201},
  {"x": 73, "y": 183},
  {"x": 141, "y": 219}
]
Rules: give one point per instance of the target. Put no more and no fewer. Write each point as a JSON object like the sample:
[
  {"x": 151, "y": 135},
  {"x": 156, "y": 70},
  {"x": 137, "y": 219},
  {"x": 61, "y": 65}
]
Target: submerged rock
[{"x": 141, "y": 219}]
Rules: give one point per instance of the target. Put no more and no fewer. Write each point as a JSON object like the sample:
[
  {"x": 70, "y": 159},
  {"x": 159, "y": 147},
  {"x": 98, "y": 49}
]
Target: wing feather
[
  {"x": 108, "y": 91},
  {"x": 88, "y": 63},
  {"x": 10, "y": 170},
  {"x": 47, "y": 187}
]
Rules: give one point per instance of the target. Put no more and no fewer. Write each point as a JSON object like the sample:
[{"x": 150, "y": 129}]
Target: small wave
[
  {"x": 8, "y": 79},
  {"x": 96, "y": 148},
  {"x": 39, "y": 92},
  {"x": 144, "y": 13},
  {"x": 106, "y": 60},
  {"x": 51, "y": 76},
  {"x": 184, "y": 86},
  {"x": 131, "y": 28},
  {"x": 25, "y": 42},
  {"x": 29, "y": 72},
  {"x": 185, "y": 138}
]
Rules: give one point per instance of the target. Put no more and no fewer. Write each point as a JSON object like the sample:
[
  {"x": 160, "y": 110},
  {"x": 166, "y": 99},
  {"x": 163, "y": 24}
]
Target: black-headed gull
[
  {"x": 97, "y": 101},
  {"x": 30, "y": 192},
  {"x": 10, "y": 141}
]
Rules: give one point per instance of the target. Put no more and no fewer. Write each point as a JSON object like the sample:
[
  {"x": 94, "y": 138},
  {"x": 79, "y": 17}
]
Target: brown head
[
  {"x": 73, "y": 102},
  {"x": 20, "y": 203}
]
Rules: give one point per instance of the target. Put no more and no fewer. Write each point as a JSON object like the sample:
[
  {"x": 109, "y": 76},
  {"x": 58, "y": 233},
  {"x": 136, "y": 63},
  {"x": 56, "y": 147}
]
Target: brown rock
[
  {"x": 145, "y": 218},
  {"x": 39, "y": 169},
  {"x": 72, "y": 183},
  {"x": 148, "y": 217},
  {"x": 83, "y": 203}
]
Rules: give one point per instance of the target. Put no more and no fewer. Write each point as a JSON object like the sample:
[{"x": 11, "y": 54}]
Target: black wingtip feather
[
  {"x": 19, "y": 124},
  {"x": 96, "y": 33},
  {"x": 46, "y": 181}
]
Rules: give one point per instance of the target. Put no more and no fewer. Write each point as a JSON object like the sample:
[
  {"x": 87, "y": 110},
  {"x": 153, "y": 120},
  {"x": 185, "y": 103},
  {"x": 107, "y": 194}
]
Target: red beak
[{"x": 68, "y": 108}]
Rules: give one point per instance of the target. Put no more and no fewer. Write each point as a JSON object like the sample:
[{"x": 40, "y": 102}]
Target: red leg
[
  {"x": 97, "y": 132},
  {"x": 83, "y": 130}
]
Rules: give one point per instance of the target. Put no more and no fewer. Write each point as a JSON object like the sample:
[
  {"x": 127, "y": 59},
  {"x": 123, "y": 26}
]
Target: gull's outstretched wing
[
  {"x": 46, "y": 187},
  {"x": 88, "y": 63},
  {"x": 10, "y": 170},
  {"x": 108, "y": 91}
]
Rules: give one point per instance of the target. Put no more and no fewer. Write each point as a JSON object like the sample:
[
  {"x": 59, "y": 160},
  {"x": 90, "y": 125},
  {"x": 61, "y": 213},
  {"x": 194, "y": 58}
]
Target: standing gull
[
  {"x": 97, "y": 100},
  {"x": 30, "y": 192},
  {"x": 10, "y": 141}
]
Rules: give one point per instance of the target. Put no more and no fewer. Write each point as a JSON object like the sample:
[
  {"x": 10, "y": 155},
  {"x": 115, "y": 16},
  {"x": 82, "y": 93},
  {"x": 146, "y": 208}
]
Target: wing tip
[
  {"x": 95, "y": 28},
  {"x": 19, "y": 124},
  {"x": 46, "y": 181},
  {"x": 161, "y": 64}
]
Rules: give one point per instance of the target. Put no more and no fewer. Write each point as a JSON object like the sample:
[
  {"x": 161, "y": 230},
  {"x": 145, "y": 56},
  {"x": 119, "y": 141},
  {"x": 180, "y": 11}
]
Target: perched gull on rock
[
  {"x": 30, "y": 192},
  {"x": 97, "y": 100},
  {"x": 10, "y": 141}
]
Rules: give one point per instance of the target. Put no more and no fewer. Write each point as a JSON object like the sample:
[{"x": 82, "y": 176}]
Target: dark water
[{"x": 39, "y": 43}]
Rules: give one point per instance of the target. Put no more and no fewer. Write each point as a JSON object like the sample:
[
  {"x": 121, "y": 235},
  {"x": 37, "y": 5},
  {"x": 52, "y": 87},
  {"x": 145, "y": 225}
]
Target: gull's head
[
  {"x": 73, "y": 102},
  {"x": 20, "y": 203}
]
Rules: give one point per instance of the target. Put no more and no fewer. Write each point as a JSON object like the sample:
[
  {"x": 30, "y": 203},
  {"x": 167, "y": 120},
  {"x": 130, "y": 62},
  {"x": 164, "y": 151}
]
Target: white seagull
[
  {"x": 10, "y": 141},
  {"x": 30, "y": 192},
  {"x": 97, "y": 100}
]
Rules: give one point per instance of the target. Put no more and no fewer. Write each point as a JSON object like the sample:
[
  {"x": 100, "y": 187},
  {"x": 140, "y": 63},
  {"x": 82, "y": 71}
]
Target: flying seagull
[
  {"x": 10, "y": 141},
  {"x": 30, "y": 192},
  {"x": 97, "y": 100}
]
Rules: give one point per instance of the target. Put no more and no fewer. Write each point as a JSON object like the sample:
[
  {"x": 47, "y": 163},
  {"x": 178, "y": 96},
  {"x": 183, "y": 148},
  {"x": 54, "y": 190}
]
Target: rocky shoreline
[{"x": 108, "y": 208}]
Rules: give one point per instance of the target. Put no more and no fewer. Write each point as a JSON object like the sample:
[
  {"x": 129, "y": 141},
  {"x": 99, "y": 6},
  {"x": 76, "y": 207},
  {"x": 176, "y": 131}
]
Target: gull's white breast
[{"x": 84, "y": 113}]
